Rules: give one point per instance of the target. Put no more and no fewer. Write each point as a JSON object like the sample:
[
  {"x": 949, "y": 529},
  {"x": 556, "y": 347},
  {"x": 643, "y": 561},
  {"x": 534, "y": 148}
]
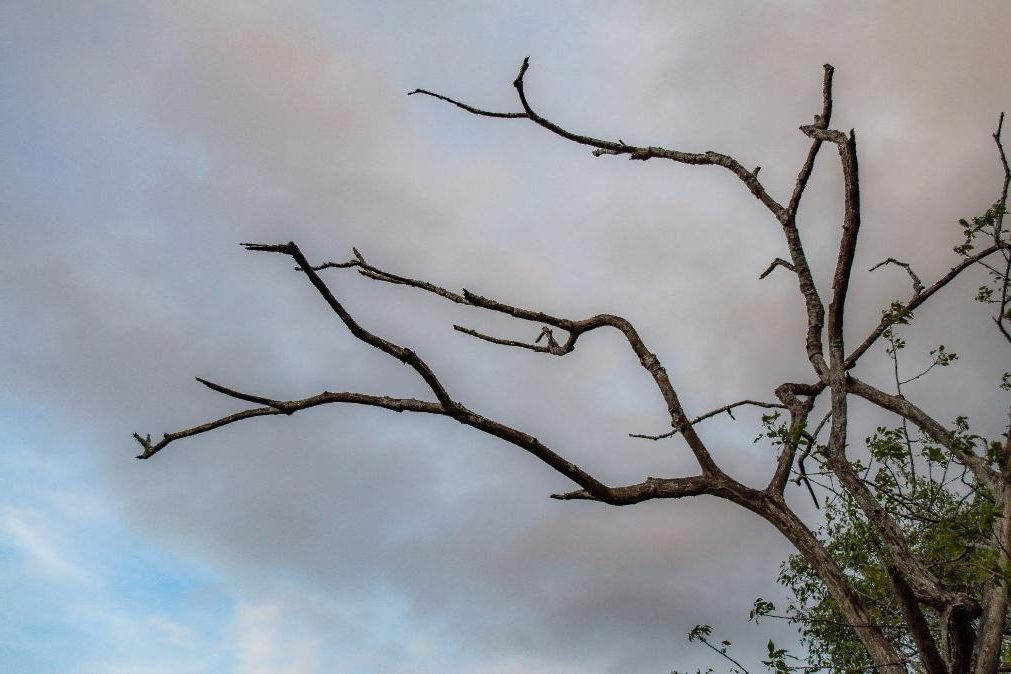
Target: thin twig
[
  {"x": 917, "y": 284},
  {"x": 712, "y": 413}
]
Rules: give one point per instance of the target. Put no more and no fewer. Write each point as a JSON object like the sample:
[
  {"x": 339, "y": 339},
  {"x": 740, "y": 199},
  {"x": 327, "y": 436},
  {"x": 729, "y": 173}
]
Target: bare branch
[
  {"x": 850, "y": 230},
  {"x": 465, "y": 297},
  {"x": 1004, "y": 311},
  {"x": 647, "y": 359},
  {"x": 917, "y": 283},
  {"x": 1002, "y": 198},
  {"x": 708, "y": 415},
  {"x": 749, "y": 178},
  {"x": 400, "y": 353},
  {"x": 286, "y": 407},
  {"x": 469, "y": 108},
  {"x": 799, "y": 411},
  {"x": 778, "y": 262},
  {"x": 813, "y": 306},
  {"x": 276, "y": 404},
  {"x": 820, "y": 121},
  {"x": 606, "y": 147},
  {"x": 651, "y": 488},
  {"x": 552, "y": 348}
]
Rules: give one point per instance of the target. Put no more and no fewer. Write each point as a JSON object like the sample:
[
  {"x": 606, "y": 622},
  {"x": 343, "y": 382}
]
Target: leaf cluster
[{"x": 947, "y": 519}]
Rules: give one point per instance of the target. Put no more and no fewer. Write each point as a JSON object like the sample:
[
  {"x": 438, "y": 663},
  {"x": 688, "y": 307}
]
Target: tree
[{"x": 870, "y": 551}]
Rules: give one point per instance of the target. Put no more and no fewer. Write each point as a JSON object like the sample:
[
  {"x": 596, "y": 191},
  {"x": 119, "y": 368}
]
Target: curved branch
[
  {"x": 821, "y": 121},
  {"x": 778, "y": 262},
  {"x": 917, "y": 283},
  {"x": 286, "y": 407},
  {"x": 648, "y": 360},
  {"x": 607, "y": 147},
  {"x": 749, "y": 178},
  {"x": 469, "y": 108}
]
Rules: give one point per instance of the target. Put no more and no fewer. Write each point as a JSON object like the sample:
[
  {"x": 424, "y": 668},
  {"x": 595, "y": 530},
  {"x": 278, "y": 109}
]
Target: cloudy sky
[{"x": 143, "y": 140}]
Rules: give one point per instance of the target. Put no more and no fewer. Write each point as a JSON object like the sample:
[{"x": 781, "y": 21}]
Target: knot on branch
[
  {"x": 546, "y": 332},
  {"x": 650, "y": 362},
  {"x": 145, "y": 442}
]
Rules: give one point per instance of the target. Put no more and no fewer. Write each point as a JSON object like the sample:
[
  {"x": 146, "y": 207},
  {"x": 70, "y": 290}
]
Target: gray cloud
[{"x": 155, "y": 139}]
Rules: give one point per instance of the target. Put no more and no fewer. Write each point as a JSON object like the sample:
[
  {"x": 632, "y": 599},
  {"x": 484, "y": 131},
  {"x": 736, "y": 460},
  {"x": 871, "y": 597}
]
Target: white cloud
[
  {"x": 262, "y": 649},
  {"x": 27, "y": 530}
]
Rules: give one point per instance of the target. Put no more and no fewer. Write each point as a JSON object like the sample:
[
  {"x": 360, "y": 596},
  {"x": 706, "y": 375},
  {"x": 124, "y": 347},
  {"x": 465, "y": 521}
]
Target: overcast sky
[{"x": 143, "y": 140}]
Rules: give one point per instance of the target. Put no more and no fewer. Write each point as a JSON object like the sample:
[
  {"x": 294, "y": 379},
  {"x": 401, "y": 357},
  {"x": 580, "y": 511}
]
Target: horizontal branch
[
  {"x": 286, "y": 407},
  {"x": 606, "y": 147},
  {"x": 652, "y": 488},
  {"x": 552, "y": 347},
  {"x": 712, "y": 413},
  {"x": 470, "y": 108}
]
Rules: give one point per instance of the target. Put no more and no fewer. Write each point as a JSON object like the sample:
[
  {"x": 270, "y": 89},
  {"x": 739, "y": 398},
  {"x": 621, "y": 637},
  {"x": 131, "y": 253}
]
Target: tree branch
[
  {"x": 553, "y": 348},
  {"x": 813, "y": 306},
  {"x": 648, "y": 360},
  {"x": 469, "y": 108},
  {"x": 286, "y": 407},
  {"x": 930, "y": 426},
  {"x": 606, "y": 147},
  {"x": 778, "y": 262},
  {"x": 651, "y": 488},
  {"x": 712, "y": 413},
  {"x": 917, "y": 284},
  {"x": 922, "y": 297}
]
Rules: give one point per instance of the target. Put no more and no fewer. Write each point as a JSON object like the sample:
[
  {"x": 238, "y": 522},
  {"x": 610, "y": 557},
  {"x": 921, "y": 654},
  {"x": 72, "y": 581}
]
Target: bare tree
[{"x": 951, "y": 630}]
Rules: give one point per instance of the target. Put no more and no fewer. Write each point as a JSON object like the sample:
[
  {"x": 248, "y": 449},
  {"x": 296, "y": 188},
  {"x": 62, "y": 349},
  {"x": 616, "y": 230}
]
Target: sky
[{"x": 144, "y": 140}]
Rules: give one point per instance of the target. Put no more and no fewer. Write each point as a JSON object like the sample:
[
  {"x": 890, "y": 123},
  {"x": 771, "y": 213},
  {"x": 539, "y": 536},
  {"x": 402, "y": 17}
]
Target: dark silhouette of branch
[
  {"x": 970, "y": 628},
  {"x": 729, "y": 409},
  {"x": 917, "y": 284}
]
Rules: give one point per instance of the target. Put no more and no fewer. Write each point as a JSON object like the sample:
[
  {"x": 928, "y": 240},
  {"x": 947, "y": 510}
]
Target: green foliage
[
  {"x": 777, "y": 660},
  {"x": 946, "y": 517},
  {"x": 982, "y": 225},
  {"x": 761, "y": 609},
  {"x": 778, "y": 432},
  {"x": 897, "y": 314}
]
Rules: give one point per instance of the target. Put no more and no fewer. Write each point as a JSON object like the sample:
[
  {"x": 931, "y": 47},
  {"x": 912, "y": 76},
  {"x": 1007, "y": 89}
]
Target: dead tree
[{"x": 954, "y": 632}]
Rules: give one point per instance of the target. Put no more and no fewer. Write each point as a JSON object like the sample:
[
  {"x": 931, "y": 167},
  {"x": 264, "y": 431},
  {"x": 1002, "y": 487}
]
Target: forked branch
[
  {"x": 914, "y": 582},
  {"x": 446, "y": 405}
]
